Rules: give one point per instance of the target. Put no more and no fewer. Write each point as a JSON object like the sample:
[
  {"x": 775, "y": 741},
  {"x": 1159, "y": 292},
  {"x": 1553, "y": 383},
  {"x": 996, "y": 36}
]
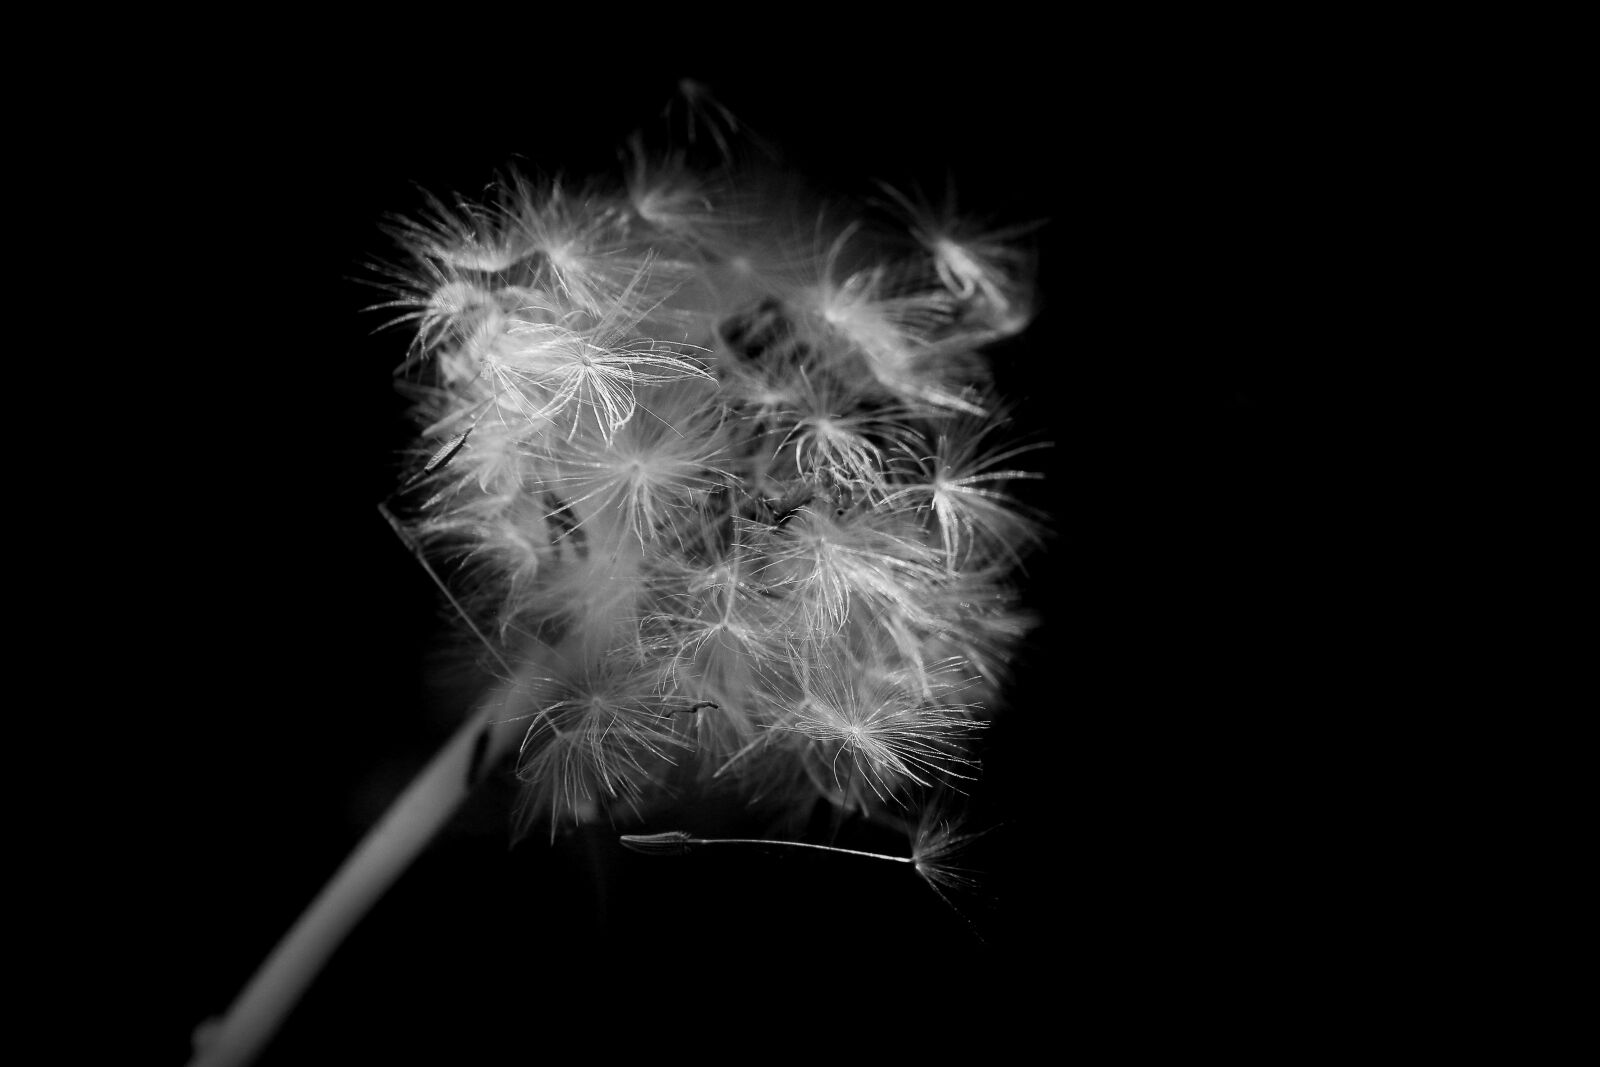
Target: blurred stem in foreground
[{"x": 383, "y": 855}]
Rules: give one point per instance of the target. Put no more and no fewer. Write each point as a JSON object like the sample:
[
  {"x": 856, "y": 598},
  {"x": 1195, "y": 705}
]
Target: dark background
[{"x": 1152, "y": 806}]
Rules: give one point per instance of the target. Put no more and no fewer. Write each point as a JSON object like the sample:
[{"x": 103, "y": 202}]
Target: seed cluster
[{"x": 736, "y": 483}]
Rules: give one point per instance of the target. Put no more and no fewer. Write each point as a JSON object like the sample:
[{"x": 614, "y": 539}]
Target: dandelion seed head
[{"x": 730, "y": 466}]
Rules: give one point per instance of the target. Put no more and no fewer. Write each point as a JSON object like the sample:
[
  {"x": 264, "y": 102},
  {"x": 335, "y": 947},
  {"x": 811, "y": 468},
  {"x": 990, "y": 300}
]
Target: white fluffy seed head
[{"x": 733, "y": 468}]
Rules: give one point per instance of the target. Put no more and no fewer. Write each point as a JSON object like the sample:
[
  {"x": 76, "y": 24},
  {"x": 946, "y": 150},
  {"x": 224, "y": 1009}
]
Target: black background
[{"x": 1152, "y": 806}]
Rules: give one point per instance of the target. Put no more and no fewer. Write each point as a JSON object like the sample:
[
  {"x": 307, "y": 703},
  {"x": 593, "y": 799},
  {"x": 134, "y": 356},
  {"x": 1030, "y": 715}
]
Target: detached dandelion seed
[{"x": 936, "y": 849}]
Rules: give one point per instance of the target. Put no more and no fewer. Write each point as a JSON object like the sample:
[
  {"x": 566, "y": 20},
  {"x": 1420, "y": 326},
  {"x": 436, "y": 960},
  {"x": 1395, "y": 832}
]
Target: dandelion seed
[
  {"x": 935, "y": 849},
  {"x": 573, "y": 249},
  {"x": 651, "y": 471},
  {"x": 598, "y": 735},
  {"x": 961, "y": 482},
  {"x": 463, "y": 237},
  {"x": 832, "y": 563},
  {"x": 835, "y": 439},
  {"x": 675, "y": 201},
  {"x": 555, "y": 375},
  {"x": 890, "y": 735},
  {"x": 985, "y": 270}
]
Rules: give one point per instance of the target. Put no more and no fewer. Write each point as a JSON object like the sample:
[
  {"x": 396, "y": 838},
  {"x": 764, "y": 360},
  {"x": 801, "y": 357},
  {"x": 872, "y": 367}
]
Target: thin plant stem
[{"x": 382, "y": 856}]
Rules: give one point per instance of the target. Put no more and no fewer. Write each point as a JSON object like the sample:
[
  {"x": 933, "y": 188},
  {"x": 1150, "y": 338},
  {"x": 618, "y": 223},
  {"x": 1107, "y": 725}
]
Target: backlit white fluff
[{"x": 738, "y": 466}]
